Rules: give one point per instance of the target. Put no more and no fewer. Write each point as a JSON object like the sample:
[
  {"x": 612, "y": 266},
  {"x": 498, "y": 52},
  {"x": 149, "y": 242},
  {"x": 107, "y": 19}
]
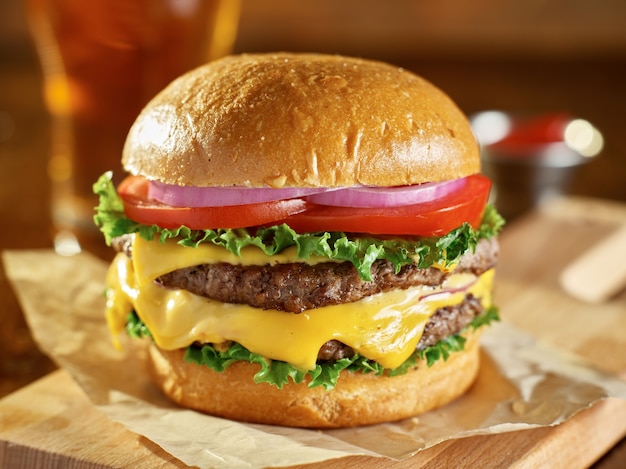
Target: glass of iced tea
[{"x": 102, "y": 61}]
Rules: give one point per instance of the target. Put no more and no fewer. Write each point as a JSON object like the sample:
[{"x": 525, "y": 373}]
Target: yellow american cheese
[
  {"x": 153, "y": 259},
  {"x": 385, "y": 327}
]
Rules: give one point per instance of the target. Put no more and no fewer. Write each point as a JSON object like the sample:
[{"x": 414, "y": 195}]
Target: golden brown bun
[
  {"x": 358, "y": 399},
  {"x": 308, "y": 120}
]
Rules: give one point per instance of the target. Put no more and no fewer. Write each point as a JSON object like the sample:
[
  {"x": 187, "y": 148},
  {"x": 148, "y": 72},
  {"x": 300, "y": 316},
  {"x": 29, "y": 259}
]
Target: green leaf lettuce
[{"x": 361, "y": 251}]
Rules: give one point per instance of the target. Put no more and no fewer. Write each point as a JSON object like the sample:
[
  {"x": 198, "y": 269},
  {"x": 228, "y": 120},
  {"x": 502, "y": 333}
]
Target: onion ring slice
[
  {"x": 381, "y": 197},
  {"x": 192, "y": 196}
]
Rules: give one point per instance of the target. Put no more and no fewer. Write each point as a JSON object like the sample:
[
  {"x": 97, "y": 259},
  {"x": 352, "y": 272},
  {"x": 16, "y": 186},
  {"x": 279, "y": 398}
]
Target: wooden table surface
[{"x": 591, "y": 89}]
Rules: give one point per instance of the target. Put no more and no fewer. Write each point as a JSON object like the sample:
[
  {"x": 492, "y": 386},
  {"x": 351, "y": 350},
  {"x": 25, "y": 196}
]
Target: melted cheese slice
[
  {"x": 153, "y": 259},
  {"x": 385, "y": 327}
]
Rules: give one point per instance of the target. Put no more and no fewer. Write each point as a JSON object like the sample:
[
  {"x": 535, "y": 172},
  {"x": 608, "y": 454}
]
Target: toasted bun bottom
[{"x": 358, "y": 398}]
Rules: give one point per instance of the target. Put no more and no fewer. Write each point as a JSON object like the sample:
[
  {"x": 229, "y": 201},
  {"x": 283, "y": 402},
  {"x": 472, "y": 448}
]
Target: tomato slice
[
  {"x": 434, "y": 218},
  {"x": 138, "y": 207}
]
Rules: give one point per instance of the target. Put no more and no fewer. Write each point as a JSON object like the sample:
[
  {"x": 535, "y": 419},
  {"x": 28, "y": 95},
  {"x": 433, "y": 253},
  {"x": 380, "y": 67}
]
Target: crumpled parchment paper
[{"x": 522, "y": 383}]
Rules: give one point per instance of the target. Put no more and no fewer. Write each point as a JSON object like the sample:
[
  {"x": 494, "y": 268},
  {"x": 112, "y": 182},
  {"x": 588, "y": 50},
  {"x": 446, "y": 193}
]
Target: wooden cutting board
[{"x": 51, "y": 423}]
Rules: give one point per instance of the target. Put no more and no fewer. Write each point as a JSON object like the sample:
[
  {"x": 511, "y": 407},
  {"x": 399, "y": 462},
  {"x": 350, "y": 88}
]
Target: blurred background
[{"x": 531, "y": 57}]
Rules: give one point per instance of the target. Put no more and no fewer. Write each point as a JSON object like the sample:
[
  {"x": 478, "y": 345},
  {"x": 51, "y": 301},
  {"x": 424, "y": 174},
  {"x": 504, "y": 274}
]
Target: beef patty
[
  {"x": 445, "y": 322},
  {"x": 297, "y": 287}
]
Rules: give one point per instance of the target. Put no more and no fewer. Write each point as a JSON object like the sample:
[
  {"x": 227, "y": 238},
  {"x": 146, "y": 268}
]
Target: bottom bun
[{"x": 358, "y": 398}]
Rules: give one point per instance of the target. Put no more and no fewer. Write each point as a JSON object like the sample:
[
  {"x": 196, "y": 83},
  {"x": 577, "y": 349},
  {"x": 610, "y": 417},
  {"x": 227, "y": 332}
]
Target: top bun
[{"x": 300, "y": 120}]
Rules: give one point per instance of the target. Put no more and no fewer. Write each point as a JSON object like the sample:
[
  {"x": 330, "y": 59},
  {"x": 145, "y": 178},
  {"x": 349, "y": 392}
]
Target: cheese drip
[{"x": 385, "y": 327}]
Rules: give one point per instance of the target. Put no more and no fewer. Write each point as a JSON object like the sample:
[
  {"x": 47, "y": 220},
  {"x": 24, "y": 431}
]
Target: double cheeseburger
[{"x": 304, "y": 240}]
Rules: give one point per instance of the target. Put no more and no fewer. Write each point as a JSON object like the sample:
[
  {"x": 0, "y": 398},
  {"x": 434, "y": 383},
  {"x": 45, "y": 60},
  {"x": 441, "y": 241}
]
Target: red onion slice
[
  {"x": 191, "y": 196},
  {"x": 361, "y": 197},
  {"x": 449, "y": 291},
  {"x": 380, "y": 197}
]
